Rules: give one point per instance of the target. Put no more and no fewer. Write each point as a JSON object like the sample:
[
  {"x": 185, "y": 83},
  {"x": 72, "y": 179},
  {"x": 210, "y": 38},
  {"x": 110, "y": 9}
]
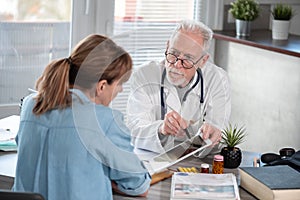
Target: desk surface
[{"x": 160, "y": 190}]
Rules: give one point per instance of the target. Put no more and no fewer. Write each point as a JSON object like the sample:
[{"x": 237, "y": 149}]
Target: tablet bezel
[{"x": 154, "y": 167}]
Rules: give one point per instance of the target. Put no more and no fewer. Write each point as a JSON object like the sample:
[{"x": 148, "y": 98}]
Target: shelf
[{"x": 263, "y": 39}]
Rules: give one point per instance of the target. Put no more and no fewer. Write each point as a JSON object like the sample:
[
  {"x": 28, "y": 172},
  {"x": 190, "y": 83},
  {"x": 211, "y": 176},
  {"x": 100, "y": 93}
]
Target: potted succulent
[
  {"x": 231, "y": 137},
  {"x": 282, "y": 15},
  {"x": 244, "y": 11}
]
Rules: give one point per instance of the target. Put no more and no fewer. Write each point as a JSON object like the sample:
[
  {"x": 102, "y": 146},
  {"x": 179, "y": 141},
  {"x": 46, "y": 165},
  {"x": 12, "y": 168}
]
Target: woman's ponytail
[{"x": 53, "y": 87}]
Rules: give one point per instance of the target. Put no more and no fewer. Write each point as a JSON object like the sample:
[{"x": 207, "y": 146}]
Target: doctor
[{"x": 172, "y": 100}]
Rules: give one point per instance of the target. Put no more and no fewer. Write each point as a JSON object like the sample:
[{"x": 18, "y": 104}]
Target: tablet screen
[
  {"x": 177, "y": 153},
  {"x": 181, "y": 149}
]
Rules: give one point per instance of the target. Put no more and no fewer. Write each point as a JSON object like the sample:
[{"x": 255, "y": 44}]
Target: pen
[
  {"x": 185, "y": 130},
  {"x": 187, "y": 133},
  {"x": 32, "y": 90}
]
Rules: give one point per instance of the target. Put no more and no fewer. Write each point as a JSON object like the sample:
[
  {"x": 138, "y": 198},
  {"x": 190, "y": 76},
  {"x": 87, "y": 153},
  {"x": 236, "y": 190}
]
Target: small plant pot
[
  {"x": 232, "y": 157},
  {"x": 280, "y": 29},
  {"x": 243, "y": 28}
]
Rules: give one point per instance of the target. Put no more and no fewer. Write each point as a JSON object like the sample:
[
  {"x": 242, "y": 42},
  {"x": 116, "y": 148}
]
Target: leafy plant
[
  {"x": 282, "y": 12},
  {"x": 247, "y": 10},
  {"x": 233, "y": 135}
]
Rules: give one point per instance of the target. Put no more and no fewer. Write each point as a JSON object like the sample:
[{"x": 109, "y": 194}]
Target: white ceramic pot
[{"x": 280, "y": 29}]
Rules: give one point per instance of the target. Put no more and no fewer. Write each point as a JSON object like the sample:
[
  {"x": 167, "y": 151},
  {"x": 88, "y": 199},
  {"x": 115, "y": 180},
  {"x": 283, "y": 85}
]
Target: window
[
  {"x": 32, "y": 33},
  {"x": 143, "y": 27}
]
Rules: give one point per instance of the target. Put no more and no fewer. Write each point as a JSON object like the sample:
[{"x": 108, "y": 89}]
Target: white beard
[{"x": 176, "y": 79}]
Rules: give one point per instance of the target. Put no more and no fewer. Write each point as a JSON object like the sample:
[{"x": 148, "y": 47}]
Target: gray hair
[{"x": 197, "y": 28}]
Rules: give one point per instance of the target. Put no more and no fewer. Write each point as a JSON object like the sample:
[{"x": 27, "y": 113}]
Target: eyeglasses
[{"x": 186, "y": 63}]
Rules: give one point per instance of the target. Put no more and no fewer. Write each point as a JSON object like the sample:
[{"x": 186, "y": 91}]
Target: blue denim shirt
[{"x": 74, "y": 153}]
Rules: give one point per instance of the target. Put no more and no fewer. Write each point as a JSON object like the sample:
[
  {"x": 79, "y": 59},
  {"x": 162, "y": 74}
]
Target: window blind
[
  {"x": 32, "y": 33},
  {"x": 142, "y": 27}
]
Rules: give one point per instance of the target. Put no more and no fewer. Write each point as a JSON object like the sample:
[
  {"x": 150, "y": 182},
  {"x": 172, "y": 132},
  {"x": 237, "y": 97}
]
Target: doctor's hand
[
  {"x": 173, "y": 124},
  {"x": 211, "y": 132}
]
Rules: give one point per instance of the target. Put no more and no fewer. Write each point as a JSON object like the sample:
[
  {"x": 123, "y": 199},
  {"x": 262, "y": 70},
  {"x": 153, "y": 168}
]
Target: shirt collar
[{"x": 78, "y": 95}]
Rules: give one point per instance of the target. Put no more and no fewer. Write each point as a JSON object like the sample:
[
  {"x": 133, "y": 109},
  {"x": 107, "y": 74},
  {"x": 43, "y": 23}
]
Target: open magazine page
[{"x": 204, "y": 186}]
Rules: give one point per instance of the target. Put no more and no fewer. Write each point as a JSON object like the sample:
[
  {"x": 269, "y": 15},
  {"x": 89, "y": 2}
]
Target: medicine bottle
[
  {"x": 204, "y": 168},
  {"x": 218, "y": 164}
]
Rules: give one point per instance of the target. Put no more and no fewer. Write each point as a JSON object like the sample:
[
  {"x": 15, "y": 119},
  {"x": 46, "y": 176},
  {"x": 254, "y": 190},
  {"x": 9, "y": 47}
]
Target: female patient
[{"x": 71, "y": 145}]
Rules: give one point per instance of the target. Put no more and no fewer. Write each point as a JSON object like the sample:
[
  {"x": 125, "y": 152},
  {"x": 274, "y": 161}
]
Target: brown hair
[{"x": 95, "y": 58}]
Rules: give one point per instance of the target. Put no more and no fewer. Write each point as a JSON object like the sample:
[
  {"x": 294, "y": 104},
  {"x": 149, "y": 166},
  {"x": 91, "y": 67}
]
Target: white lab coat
[{"x": 144, "y": 104}]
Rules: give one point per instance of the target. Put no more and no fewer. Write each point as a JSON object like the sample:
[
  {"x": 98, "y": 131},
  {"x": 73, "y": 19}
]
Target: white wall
[
  {"x": 91, "y": 16},
  {"x": 265, "y": 95},
  {"x": 295, "y": 21}
]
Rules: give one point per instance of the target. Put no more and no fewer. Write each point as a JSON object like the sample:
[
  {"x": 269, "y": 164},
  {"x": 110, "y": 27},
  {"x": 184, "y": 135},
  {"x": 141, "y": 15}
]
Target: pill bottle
[
  {"x": 218, "y": 164},
  {"x": 204, "y": 168}
]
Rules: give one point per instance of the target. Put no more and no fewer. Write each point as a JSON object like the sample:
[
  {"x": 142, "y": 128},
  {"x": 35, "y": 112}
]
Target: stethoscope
[{"x": 162, "y": 98}]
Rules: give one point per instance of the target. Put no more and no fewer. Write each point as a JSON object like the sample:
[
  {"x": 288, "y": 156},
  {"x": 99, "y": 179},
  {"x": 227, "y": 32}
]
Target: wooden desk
[{"x": 160, "y": 190}]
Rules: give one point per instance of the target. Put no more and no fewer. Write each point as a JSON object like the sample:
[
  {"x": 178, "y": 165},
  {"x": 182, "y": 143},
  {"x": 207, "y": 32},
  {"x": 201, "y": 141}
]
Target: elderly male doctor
[{"x": 172, "y": 100}]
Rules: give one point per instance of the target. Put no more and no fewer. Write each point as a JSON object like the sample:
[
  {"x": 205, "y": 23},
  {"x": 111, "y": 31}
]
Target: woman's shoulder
[
  {"x": 113, "y": 126},
  {"x": 107, "y": 115},
  {"x": 29, "y": 99},
  {"x": 28, "y": 102}
]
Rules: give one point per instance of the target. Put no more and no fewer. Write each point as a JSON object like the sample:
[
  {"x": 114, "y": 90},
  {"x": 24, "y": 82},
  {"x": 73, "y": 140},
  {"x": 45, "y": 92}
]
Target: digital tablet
[{"x": 176, "y": 154}]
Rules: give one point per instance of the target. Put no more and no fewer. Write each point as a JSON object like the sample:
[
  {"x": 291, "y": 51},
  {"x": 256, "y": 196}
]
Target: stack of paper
[{"x": 8, "y": 130}]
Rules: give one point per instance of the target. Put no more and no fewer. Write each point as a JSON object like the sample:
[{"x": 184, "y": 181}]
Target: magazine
[{"x": 204, "y": 186}]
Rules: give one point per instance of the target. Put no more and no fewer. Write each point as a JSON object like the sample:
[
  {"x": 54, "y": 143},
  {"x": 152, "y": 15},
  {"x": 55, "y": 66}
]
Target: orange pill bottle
[{"x": 218, "y": 164}]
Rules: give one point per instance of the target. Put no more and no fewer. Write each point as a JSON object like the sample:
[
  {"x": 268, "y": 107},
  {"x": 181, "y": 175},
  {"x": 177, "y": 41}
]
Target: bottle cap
[
  {"x": 218, "y": 158},
  {"x": 204, "y": 165}
]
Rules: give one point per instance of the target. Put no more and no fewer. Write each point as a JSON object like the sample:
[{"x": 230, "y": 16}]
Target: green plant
[
  {"x": 282, "y": 12},
  {"x": 233, "y": 135},
  {"x": 247, "y": 10}
]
